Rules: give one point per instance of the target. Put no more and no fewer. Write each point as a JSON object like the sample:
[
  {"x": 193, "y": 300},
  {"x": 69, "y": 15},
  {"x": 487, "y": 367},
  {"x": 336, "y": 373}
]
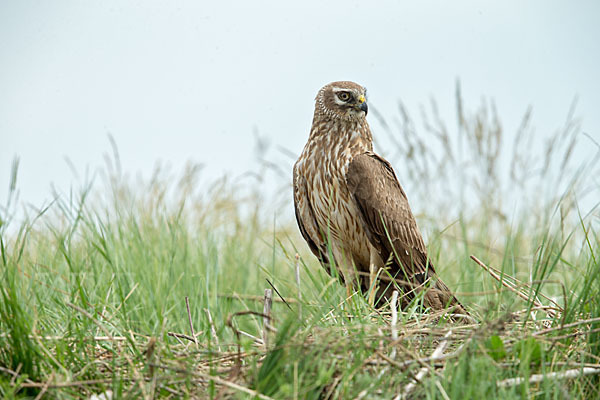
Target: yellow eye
[{"x": 344, "y": 96}]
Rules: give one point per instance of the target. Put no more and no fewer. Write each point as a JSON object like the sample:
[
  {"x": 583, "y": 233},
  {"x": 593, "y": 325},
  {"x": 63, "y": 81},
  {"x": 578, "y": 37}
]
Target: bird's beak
[{"x": 363, "y": 104}]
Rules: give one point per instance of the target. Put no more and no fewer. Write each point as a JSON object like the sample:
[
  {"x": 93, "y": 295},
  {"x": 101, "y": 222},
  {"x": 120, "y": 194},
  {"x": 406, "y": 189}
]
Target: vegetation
[{"x": 94, "y": 286}]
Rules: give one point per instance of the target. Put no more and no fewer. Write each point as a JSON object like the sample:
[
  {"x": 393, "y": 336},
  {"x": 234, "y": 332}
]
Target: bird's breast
[{"x": 335, "y": 211}]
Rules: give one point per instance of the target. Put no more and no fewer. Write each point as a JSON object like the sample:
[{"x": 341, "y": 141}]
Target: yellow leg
[
  {"x": 346, "y": 268},
  {"x": 349, "y": 289},
  {"x": 372, "y": 284},
  {"x": 374, "y": 263}
]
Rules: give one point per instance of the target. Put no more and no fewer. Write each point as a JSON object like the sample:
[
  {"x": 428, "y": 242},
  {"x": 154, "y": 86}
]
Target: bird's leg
[
  {"x": 373, "y": 270},
  {"x": 347, "y": 269},
  {"x": 350, "y": 279},
  {"x": 372, "y": 284},
  {"x": 349, "y": 289}
]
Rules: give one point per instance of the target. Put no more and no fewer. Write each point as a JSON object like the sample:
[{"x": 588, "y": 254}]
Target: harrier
[{"x": 352, "y": 211}]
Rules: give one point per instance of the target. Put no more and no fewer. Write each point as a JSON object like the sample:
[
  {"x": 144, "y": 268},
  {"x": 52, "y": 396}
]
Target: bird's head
[{"x": 344, "y": 99}]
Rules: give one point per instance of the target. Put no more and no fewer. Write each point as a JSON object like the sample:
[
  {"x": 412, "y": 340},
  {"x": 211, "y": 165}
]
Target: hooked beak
[{"x": 363, "y": 104}]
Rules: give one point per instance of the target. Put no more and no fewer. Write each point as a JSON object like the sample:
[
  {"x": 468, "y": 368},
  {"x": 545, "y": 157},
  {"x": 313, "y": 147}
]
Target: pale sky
[{"x": 192, "y": 80}]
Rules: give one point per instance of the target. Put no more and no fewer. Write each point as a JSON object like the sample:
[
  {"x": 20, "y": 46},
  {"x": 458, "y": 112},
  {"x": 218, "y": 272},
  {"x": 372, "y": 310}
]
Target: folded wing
[{"x": 392, "y": 228}]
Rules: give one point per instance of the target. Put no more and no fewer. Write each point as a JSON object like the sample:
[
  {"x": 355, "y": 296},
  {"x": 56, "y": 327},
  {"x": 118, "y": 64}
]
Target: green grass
[{"x": 93, "y": 285}]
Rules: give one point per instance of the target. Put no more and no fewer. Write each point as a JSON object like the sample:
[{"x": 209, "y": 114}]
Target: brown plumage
[{"x": 350, "y": 205}]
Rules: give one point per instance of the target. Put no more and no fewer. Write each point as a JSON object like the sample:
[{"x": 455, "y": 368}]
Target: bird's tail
[{"x": 439, "y": 297}]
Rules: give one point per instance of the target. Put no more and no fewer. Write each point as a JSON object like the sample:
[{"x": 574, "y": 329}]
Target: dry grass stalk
[
  {"x": 14, "y": 374},
  {"x": 84, "y": 383},
  {"x": 517, "y": 283},
  {"x": 91, "y": 318},
  {"x": 394, "y": 307},
  {"x": 126, "y": 298},
  {"x": 217, "y": 380},
  {"x": 256, "y": 340},
  {"x": 571, "y": 325},
  {"x": 230, "y": 318},
  {"x": 576, "y": 333},
  {"x": 235, "y": 386},
  {"x": 438, "y": 352},
  {"x": 45, "y": 388},
  {"x": 252, "y": 297},
  {"x": 181, "y": 336},
  {"x": 442, "y": 391},
  {"x": 569, "y": 374},
  {"x": 268, "y": 301},
  {"x": 138, "y": 377},
  {"x": 213, "y": 331},
  {"x": 187, "y": 306},
  {"x": 431, "y": 359},
  {"x": 551, "y": 313}
]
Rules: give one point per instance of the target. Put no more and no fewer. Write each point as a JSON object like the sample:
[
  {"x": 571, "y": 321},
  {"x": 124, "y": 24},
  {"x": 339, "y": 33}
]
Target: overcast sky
[{"x": 192, "y": 80}]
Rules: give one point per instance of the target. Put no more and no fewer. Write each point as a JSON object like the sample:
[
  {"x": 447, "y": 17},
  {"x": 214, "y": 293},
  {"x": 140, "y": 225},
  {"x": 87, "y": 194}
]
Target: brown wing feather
[
  {"x": 306, "y": 221},
  {"x": 391, "y": 226},
  {"x": 385, "y": 212}
]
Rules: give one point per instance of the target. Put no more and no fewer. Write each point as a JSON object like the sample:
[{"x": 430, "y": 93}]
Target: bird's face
[{"x": 344, "y": 99}]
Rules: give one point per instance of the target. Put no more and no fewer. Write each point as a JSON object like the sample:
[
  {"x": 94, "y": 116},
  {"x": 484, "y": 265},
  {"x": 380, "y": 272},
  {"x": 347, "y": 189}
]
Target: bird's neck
[{"x": 339, "y": 134}]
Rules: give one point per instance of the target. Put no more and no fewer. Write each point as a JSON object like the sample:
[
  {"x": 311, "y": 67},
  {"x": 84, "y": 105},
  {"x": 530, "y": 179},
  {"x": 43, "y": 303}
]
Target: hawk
[{"x": 352, "y": 211}]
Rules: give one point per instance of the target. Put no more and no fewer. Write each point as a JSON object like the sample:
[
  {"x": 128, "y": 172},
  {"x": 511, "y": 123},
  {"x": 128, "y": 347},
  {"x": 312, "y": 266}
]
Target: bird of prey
[{"x": 352, "y": 211}]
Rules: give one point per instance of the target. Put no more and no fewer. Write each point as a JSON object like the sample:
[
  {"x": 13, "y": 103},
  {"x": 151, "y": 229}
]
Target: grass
[{"x": 94, "y": 286}]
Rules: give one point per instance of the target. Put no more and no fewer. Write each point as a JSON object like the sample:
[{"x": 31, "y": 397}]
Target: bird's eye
[{"x": 344, "y": 96}]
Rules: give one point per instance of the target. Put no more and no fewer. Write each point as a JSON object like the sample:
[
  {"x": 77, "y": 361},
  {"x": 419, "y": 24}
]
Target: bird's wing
[
  {"x": 393, "y": 231},
  {"x": 307, "y": 223},
  {"x": 387, "y": 218}
]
